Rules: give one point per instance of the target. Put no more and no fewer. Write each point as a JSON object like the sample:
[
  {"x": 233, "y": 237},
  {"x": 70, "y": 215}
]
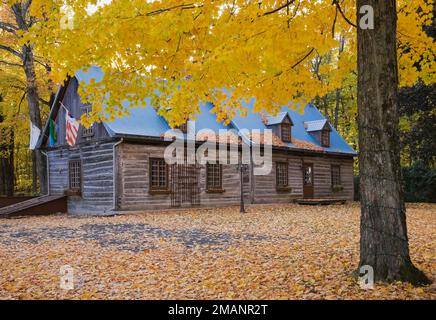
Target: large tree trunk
[
  {"x": 6, "y": 161},
  {"x": 384, "y": 243},
  {"x": 34, "y": 113},
  {"x": 24, "y": 22}
]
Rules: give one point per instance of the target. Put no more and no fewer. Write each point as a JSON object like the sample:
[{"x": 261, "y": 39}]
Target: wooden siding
[
  {"x": 265, "y": 186},
  {"x": 71, "y": 101},
  {"x": 323, "y": 182},
  {"x": 97, "y": 176},
  {"x": 265, "y": 190},
  {"x": 133, "y": 181}
]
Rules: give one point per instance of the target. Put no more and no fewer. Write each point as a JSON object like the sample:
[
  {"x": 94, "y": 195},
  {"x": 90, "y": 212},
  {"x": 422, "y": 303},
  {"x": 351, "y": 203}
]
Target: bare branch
[
  {"x": 287, "y": 4},
  {"x": 8, "y": 27},
  {"x": 182, "y": 6},
  {"x": 11, "y": 63},
  {"x": 44, "y": 101},
  {"x": 336, "y": 2},
  {"x": 21, "y": 101},
  {"x": 10, "y": 50},
  {"x": 45, "y": 65},
  {"x": 334, "y": 23},
  {"x": 18, "y": 87},
  {"x": 303, "y": 59}
]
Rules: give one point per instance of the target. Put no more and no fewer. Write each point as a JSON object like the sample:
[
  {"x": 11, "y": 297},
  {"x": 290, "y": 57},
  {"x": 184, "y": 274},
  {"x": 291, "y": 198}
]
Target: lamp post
[{"x": 243, "y": 169}]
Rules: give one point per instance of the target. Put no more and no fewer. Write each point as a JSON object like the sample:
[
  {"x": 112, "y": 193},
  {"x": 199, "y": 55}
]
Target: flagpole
[{"x": 64, "y": 106}]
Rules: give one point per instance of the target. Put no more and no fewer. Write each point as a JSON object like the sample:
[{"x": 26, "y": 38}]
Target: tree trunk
[
  {"x": 7, "y": 162},
  {"x": 338, "y": 91},
  {"x": 325, "y": 102},
  {"x": 384, "y": 243},
  {"x": 338, "y": 103},
  {"x": 23, "y": 20},
  {"x": 35, "y": 115}
]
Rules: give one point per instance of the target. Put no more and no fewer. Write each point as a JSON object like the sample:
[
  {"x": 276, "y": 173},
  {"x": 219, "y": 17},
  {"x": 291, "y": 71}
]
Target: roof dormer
[
  {"x": 281, "y": 124},
  {"x": 320, "y": 130}
]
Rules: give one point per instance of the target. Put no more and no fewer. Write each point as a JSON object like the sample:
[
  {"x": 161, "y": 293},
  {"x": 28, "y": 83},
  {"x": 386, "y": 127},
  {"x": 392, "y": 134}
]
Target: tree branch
[
  {"x": 21, "y": 101},
  {"x": 287, "y": 4},
  {"x": 45, "y": 65},
  {"x": 302, "y": 59},
  {"x": 336, "y": 2},
  {"x": 44, "y": 101},
  {"x": 8, "y": 27},
  {"x": 10, "y": 50},
  {"x": 11, "y": 63},
  {"x": 334, "y": 23},
  {"x": 182, "y": 6}
]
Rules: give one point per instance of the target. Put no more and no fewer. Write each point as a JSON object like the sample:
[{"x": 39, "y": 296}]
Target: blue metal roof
[
  {"x": 144, "y": 121},
  {"x": 316, "y": 125},
  {"x": 141, "y": 121},
  {"x": 272, "y": 120}
]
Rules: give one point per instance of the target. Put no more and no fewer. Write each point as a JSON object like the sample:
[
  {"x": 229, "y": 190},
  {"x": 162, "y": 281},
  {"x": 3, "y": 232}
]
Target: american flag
[{"x": 72, "y": 129}]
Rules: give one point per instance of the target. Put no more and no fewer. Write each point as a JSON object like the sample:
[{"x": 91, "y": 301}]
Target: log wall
[{"x": 97, "y": 176}]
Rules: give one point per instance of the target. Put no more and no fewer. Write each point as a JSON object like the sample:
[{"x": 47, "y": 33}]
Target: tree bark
[
  {"x": 325, "y": 102},
  {"x": 338, "y": 104},
  {"x": 384, "y": 243},
  {"x": 24, "y": 21},
  {"x": 34, "y": 113},
  {"x": 7, "y": 161},
  {"x": 338, "y": 91}
]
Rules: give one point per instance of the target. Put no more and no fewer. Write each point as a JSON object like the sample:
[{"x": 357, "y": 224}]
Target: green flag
[{"x": 53, "y": 138}]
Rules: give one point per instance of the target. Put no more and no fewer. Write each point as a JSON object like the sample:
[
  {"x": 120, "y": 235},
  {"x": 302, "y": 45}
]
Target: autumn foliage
[{"x": 184, "y": 53}]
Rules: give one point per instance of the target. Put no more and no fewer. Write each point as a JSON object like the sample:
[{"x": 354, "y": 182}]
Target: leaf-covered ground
[{"x": 271, "y": 252}]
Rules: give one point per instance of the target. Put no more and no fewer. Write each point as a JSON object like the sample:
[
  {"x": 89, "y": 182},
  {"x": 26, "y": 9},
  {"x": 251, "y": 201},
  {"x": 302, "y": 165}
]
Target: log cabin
[{"x": 119, "y": 166}]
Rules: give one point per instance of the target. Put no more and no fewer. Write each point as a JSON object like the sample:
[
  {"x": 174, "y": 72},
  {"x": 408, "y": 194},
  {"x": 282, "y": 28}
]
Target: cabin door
[
  {"x": 307, "y": 180},
  {"x": 185, "y": 185}
]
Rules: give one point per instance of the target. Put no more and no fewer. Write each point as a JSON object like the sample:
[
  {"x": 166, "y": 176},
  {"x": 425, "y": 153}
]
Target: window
[
  {"x": 87, "y": 132},
  {"x": 158, "y": 174},
  {"x": 75, "y": 175},
  {"x": 307, "y": 174},
  {"x": 282, "y": 175},
  {"x": 336, "y": 175},
  {"x": 286, "y": 132},
  {"x": 325, "y": 138},
  {"x": 214, "y": 174}
]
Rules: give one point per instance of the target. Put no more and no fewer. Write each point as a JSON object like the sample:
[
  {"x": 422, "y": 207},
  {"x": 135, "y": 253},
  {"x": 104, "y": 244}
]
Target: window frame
[
  {"x": 338, "y": 176},
  {"x": 279, "y": 179},
  {"x": 325, "y": 138},
  {"x": 214, "y": 188},
  {"x": 87, "y": 132},
  {"x": 288, "y": 126},
  {"x": 159, "y": 188},
  {"x": 77, "y": 188}
]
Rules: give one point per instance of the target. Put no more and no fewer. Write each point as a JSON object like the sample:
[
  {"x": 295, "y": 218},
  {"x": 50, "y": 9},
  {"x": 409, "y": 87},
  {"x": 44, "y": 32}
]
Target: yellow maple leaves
[
  {"x": 188, "y": 51},
  {"x": 272, "y": 252}
]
